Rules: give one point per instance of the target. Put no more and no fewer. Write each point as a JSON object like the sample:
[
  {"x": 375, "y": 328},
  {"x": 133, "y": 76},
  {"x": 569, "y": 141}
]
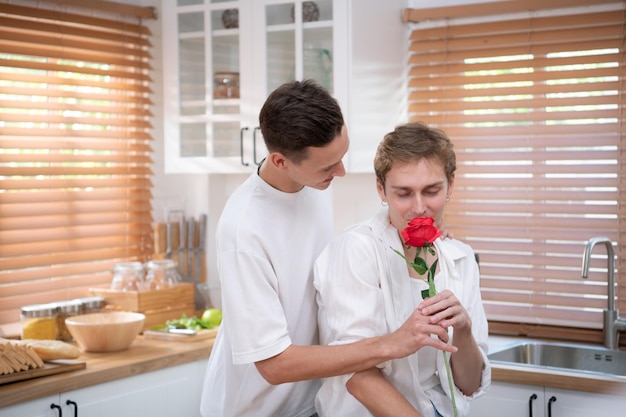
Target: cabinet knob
[
  {"x": 58, "y": 407},
  {"x": 530, "y": 404},
  {"x": 73, "y": 403}
]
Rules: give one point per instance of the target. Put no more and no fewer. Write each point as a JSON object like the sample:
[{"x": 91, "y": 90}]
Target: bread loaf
[{"x": 49, "y": 350}]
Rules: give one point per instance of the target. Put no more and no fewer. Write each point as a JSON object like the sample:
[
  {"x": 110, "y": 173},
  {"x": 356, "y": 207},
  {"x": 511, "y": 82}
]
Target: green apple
[{"x": 212, "y": 317}]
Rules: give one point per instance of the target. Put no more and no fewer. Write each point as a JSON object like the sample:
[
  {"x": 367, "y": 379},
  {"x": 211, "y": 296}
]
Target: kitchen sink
[{"x": 571, "y": 357}]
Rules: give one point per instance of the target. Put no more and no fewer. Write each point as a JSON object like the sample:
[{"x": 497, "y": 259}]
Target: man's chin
[{"x": 322, "y": 185}]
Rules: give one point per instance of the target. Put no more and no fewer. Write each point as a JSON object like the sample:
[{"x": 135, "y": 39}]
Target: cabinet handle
[
  {"x": 550, "y": 401},
  {"x": 530, "y": 404},
  {"x": 254, "y": 145},
  {"x": 241, "y": 146},
  {"x": 73, "y": 403},
  {"x": 58, "y": 407}
]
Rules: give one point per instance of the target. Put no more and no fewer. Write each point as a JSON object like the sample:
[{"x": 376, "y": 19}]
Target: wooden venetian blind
[
  {"x": 534, "y": 105},
  {"x": 75, "y": 152}
]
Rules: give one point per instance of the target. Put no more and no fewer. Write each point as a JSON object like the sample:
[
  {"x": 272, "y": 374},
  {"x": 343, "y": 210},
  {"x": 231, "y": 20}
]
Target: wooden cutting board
[
  {"x": 49, "y": 368},
  {"x": 177, "y": 337}
]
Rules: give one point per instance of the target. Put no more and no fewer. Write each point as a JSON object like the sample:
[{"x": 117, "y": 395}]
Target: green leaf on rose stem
[
  {"x": 433, "y": 269},
  {"x": 420, "y": 265},
  {"x": 425, "y": 293},
  {"x": 430, "y": 249}
]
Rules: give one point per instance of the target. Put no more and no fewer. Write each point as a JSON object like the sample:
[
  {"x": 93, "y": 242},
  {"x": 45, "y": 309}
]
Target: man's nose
[
  {"x": 419, "y": 206},
  {"x": 340, "y": 170}
]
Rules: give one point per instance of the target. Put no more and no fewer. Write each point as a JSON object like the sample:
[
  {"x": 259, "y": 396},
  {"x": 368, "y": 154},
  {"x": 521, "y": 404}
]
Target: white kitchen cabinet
[
  {"x": 516, "y": 400},
  {"x": 173, "y": 391},
  {"x": 357, "y": 49},
  {"x": 35, "y": 408}
]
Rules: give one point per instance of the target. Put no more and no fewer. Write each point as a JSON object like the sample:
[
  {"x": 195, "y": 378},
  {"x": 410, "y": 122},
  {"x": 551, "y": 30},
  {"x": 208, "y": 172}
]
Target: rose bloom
[{"x": 420, "y": 232}]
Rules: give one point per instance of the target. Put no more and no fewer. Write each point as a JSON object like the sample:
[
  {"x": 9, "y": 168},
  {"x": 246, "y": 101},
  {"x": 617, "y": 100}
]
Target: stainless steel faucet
[{"x": 613, "y": 324}]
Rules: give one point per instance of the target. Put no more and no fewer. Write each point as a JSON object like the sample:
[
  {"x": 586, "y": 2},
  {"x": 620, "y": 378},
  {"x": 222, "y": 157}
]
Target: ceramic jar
[
  {"x": 230, "y": 18},
  {"x": 310, "y": 12}
]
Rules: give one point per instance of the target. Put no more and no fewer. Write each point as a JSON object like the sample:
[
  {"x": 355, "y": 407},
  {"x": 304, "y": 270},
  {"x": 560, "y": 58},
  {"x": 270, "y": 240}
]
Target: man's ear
[
  {"x": 277, "y": 159},
  {"x": 381, "y": 190},
  {"x": 450, "y": 185}
]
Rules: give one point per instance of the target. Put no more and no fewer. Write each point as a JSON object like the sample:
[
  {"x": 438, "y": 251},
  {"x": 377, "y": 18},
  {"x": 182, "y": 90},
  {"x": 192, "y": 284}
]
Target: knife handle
[
  {"x": 191, "y": 232},
  {"x": 168, "y": 237}
]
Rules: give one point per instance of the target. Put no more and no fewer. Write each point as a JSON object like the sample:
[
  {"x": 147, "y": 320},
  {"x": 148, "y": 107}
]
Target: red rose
[{"x": 420, "y": 232}]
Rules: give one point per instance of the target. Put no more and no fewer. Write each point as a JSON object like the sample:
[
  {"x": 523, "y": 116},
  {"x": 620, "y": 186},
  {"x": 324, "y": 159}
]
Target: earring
[
  {"x": 447, "y": 199},
  {"x": 383, "y": 203}
]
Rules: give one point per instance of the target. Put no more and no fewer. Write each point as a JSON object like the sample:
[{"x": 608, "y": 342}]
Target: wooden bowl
[{"x": 105, "y": 332}]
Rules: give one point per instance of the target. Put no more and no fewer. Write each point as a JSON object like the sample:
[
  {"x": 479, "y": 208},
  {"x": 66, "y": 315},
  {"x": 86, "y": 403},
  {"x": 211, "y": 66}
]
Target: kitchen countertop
[
  {"x": 151, "y": 355},
  {"x": 142, "y": 356}
]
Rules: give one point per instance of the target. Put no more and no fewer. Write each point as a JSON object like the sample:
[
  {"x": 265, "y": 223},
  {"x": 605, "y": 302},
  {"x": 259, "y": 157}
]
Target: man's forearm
[
  {"x": 298, "y": 363},
  {"x": 379, "y": 396},
  {"x": 467, "y": 364}
]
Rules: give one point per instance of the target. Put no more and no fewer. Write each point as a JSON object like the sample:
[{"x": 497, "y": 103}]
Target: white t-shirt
[
  {"x": 364, "y": 291},
  {"x": 266, "y": 243}
]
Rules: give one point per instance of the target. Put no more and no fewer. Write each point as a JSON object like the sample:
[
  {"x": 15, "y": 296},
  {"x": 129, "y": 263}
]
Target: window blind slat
[
  {"x": 63, "y": 132},
  {"x": 137, "y": 200},
  {"x": 64, "y": 43},
  {"x": 67, "y": 19},
  {"x": 131, "y": 249},
  {"x": 524, "y": 25},
  {"x": 113, "y": 145},
  {"x": 38, "y": 83},
  {"x": 71, "y": 237},
  {"x": 20, "y": 26}
]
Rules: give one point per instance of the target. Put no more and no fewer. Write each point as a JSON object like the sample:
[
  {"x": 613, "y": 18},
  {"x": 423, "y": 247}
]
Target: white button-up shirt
[{"x": 364, "y": 291}]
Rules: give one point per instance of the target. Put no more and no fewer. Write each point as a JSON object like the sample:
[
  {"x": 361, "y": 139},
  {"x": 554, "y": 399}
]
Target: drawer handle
[
  {"x": 254, "y": 145},
  {"x": 73, "y": 403},
  {"x": 58, "y": 407},
  {"x": 530, "y": 404},
  {"x": 241, "y": 146},
  {"x": 550, "y": 401}
]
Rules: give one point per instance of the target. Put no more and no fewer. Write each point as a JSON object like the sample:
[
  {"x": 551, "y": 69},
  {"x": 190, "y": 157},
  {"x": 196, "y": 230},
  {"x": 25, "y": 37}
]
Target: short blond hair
[{"x": 412, "y": 142}]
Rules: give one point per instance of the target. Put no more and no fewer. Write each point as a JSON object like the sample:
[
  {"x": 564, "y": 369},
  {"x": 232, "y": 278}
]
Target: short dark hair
[
  {"x": 298, "y": 115},
  {"x": 412, "y": 142}
]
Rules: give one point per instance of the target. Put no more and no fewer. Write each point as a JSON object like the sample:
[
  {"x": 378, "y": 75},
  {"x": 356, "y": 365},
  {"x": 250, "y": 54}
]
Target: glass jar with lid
[
  {"x": 67, "y": 309},
  {"x": 127, "y": 276},
  {"x": 39, "y": 321},
  {"x": 161, "y": 274},
  {"x": 226, "y": 85},
  {"x": 93, "y": 304}
]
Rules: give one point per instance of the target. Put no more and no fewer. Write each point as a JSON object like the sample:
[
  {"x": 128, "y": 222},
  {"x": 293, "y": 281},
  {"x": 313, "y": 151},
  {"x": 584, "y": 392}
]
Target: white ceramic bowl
[{"x": 105, "y": 332}]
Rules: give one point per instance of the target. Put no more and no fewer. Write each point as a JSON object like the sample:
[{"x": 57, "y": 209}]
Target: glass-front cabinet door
[
  {"x": 297, "y": 41},
  {"x": 221, "y": 60},
  {"x": 203, "y": 85}
]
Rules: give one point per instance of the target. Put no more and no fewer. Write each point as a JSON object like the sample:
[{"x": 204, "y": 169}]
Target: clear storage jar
[
  {"x": 127, "y": 276},
  {"x": 39, "y": 321},
  {"x": 161, "y": 274}
]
